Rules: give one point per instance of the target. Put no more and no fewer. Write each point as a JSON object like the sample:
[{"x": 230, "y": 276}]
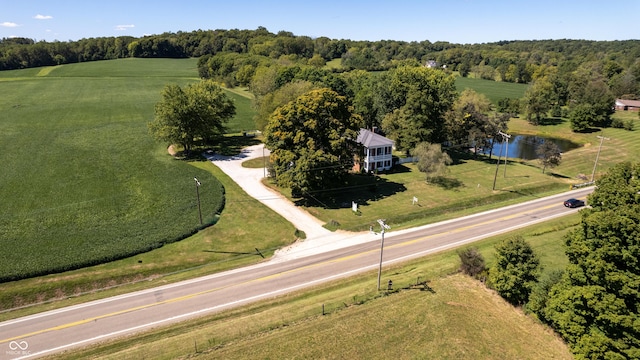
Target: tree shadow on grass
[
  {"x": 446, "y": 182},
  {"x": 225, "y": 146},
  {"x": 460, "y": 157},
  {"x": 589, "y": 130},
  {"x": 398, "y": 169},
  {"x": 359, "y": 188},
  {"x": 558, "y": 176},
  {"x": 551, "y": 121},
  {"x": 233, "y": 145}
]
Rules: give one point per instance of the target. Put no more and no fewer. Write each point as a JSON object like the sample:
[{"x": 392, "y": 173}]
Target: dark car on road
[{"x": 573, "y": 203}]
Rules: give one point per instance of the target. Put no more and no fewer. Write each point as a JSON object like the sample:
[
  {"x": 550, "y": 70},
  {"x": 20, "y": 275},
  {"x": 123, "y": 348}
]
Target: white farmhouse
[{"x": 377, "y": 151}]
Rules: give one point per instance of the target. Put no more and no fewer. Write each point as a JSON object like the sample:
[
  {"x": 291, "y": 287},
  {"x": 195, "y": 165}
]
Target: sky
[{"x": 454, "y": 21}]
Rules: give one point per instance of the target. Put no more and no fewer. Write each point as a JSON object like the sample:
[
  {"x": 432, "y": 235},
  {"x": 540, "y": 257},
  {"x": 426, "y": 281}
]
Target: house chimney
[{"x": 374, "y": 129}]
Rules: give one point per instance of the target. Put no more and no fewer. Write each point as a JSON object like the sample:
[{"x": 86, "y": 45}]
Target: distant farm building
[
  {"x": 627, "y": 104},
  {"x": 431, "y": 64}
]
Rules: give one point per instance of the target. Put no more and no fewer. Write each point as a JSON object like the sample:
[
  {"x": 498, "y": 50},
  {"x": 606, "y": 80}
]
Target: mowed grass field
[
  {"x": 83, "y": 182},
  {"x": 493, "y": 90}
]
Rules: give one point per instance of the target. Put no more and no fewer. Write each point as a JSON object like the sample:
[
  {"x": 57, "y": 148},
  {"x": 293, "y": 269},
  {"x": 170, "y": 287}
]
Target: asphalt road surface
[{"x": 84, "y": 324}]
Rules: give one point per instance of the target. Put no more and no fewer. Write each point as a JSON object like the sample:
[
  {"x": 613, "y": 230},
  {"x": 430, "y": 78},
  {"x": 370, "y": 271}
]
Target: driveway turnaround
[{"x": 318, "y": 238}]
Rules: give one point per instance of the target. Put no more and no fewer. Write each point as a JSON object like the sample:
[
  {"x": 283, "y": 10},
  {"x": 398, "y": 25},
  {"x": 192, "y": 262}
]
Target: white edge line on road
[
  {"x": 216, "y": 275},
  {"x": 286, "y": 290},
  {"x": 131, "y": 294},
  {"x": 197, "y": 312},
  {"x": 473, "y": 239}
]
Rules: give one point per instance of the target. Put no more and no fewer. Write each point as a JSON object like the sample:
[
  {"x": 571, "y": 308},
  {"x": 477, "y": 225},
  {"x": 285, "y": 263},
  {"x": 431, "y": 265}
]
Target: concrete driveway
[{"x": 317, "y": 237}]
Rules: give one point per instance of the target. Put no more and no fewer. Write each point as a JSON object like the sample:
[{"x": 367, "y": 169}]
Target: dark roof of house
[
  {"x": 633, "y": 103},
  {"x": 370, "y": 139}
]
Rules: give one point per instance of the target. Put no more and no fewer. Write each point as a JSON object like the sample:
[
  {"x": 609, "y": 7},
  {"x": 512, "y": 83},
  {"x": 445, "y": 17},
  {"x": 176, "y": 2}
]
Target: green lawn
[
  {"x": 468, "y": 187},
  {"x": 83, "y": 182}
]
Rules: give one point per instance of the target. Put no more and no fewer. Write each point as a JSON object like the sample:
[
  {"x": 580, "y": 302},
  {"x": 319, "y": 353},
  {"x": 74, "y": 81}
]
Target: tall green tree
[
  {"x": 515, "y": 270},
  {"x": 582, "y": 117},
  {"x": 363, "y": 84},
  {"x": 194, "y": 114},
  {"x": 312, "y": 141},
  {"x": 266, "y": 104},
  {"x": 591, "y": 96},
  {"x": 415, "y": 101},
  {"x": 468, "y": 112},
  {"x": 470, "y": 122},
  {"x": 538, "y": 100},
  {"x": 596, "y": 305}
]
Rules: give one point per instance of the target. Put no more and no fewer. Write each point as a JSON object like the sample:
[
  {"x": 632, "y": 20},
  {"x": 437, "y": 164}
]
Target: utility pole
[
  {"x": 198, "y": 197},
  {"x": 505, "y": 138},
  {"x": 383, "y": 226},
  {"x": 593, "y": 173},
  {"x": 506, "y": 146}
]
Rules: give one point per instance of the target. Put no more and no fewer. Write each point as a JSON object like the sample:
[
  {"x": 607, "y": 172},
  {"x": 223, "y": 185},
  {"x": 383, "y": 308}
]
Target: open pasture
[
  {"x": 83, "y": 182},
  {"x": 493, "y": 90}
]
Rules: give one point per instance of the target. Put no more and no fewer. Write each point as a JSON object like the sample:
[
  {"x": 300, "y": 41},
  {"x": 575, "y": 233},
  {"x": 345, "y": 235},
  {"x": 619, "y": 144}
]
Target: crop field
[
  {"x": 493, "y": 90},
  {"x": 83, "y": 182}
]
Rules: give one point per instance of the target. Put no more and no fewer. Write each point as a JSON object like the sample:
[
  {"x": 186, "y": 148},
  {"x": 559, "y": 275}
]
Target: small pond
[{"x": 524, "y": 146}]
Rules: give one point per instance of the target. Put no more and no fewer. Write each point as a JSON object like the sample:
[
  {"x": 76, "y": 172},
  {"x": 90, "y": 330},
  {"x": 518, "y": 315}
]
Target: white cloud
[
  {"x": 8, "y": 24},
  {"x": 124, "y": 27},
  {"x": 43, "y": 17}
]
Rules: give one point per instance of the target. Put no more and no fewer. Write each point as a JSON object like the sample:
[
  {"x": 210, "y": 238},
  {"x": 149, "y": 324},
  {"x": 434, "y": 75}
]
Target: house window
[
  {"x": 387, "y": 150},
  {"x": 378, "y": 164},
  {"x": 387, "y": 163},
  {"x": 379, "y": 151},
  {"x": 372, "y": 152}
]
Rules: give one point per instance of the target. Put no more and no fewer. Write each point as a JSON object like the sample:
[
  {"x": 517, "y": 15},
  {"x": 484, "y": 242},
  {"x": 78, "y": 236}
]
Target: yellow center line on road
[
  {"x": 169, "y": 301},
  {"x": 468, "y": 227},
  {"x": 267, "y": 277}
]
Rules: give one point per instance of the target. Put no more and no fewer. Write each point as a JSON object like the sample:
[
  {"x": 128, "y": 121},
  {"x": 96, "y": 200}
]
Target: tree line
[{"x": 511, "y": 61}]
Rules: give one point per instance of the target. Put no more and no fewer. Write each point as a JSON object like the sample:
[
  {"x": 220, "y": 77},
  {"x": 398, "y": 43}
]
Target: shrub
[
  {"x": 617, "y": 123},
  {"x": 472, "y": 262}
]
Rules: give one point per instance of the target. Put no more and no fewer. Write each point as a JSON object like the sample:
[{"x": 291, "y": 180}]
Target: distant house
[
  {"x": 627, "y": 104},
  {"x": 431, "y": 64},
  {"x": 377, "y": 151}
]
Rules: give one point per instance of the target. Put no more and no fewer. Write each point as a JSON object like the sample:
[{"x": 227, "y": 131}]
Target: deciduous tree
[
  {"x": 515, "y": 270},
  {"x": 596, "y": 305},
  {"x": 197, "y": 113},
  {"x": 415, "y": 100},
  {"x": 549, "y": 154},
  {"x": 538, "y": 100},
  {"x": 312, "y": 141}
]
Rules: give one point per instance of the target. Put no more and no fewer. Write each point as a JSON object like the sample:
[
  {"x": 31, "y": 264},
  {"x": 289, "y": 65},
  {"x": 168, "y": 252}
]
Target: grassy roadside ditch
[{"x": 429, "y": 309}]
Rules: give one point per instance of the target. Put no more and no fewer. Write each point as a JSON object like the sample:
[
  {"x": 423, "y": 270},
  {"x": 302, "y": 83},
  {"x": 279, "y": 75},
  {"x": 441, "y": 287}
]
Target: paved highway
[{"x": 80, "y": 325}]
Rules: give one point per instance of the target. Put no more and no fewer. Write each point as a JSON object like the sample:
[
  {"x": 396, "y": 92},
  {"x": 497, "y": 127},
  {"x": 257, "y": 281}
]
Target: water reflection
[{"x": 524, "y": 146}]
